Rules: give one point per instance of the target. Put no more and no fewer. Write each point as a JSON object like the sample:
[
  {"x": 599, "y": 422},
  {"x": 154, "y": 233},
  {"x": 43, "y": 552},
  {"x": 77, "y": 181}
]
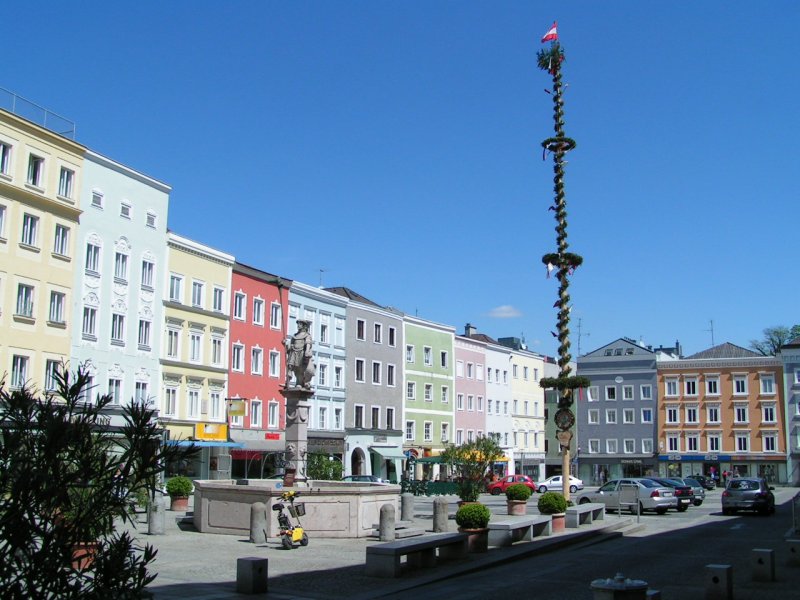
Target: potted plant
[
  {"x": 553, "y": 503},
  {"x": 470, "y": 463},
  {"x": 179, "y": 489},
  {"x": 473, "y": 520},
  {"x": 517, "y": 496}
]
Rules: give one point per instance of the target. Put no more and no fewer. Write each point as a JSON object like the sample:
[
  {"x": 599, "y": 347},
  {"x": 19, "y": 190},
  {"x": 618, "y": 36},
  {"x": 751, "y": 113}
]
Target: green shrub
[
  {"x": 518, "y": 491},
  {"x": 179, "y": 486},
  {"x": 473, "y": 516},
  {"x": 551, "y": 503}
]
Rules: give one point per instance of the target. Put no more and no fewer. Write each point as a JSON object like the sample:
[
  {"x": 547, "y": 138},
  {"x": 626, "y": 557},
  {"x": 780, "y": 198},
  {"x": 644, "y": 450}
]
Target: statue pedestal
[{"x": 297, "y": 408}]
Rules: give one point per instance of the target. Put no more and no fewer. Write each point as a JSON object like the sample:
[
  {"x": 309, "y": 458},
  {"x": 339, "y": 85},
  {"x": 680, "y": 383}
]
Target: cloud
[{"x": 505, "y": 312}]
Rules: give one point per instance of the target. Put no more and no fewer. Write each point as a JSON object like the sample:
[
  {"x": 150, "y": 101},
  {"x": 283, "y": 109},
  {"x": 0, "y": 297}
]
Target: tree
[
  {"x": 471, "y": 462},
  {"x": 774, "y": 338},
  {"x": 67, "y": 478},
  {"x": 321, "y": 466}
]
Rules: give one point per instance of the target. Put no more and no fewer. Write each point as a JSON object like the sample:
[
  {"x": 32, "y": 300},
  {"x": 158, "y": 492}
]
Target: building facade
[
  {"x": 527, "y": 413},
  {"x": 499, "y": 402},
  {"x": 470, "y": 388},
  {"x": 790, "y": 357}
]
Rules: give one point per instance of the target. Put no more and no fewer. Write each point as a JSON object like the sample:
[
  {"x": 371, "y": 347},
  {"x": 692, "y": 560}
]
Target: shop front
[
  {"x": 531, "y": 464},
  {"x": 213, "y": 459},
  {"x": 262, "y": 454},
  {"x": 370, "y": 453},
  {"x": 720, "y": 466}
]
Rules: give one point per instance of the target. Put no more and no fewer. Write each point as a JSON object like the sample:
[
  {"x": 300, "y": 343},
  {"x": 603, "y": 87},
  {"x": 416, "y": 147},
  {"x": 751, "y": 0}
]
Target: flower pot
[
  {"x": 179, "y": 503},
  {"x": 478, "y": 539},
  {"x": 83, "y": 554},
  {"x": 517, "y": 507},
  {"x": 559, "y": 522}
]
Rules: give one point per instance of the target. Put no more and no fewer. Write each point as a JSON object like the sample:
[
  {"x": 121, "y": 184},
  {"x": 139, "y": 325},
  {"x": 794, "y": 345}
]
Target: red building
[{"x": 256, "y": 371}]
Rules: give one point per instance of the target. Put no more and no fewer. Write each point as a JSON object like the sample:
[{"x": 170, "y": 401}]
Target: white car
[{"x": 555, "y": 484}]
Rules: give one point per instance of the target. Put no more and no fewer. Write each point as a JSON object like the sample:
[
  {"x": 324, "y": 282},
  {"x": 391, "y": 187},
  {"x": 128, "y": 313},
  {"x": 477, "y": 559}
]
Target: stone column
[{"x": 297, "y": 408}]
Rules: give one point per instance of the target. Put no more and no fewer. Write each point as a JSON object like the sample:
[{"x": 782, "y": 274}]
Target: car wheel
[
  {"x": 698, "y": 502},
  {"x": 584, "y": 501},
  {"x": 496, "y": 491},
  {"x": 573, "y": 489},
  {"x": 661, "y": 510},
  {"x": 542, "y": 489},
  {"x": 682, "y": 507}
]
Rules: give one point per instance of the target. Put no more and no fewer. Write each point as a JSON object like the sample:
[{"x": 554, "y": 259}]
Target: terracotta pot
[
  {"x": 559, "y": 522},
  {"x": 517, "y": 507},
  {"x": 179, "y": 503},
  {"x": 478, "y": 540},
  {"x": 83, "y": 554}
]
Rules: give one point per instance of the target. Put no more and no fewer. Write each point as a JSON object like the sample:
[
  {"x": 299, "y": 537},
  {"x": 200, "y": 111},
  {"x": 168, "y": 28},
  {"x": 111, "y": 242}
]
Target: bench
[
  {"x": 506, "y": 532},
  {"x": 584, "y": 514},
  {"x": 384, "y": 560}
]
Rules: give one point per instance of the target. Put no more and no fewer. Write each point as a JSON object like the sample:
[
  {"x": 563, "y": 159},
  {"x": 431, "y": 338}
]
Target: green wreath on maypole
[{"x": 562, "y": 261}]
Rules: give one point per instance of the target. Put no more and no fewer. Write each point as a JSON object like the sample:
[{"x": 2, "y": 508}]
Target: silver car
[{"x": 620, "y": 494}]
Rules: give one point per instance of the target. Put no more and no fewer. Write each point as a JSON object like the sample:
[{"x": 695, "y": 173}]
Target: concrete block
[
  {"x": 762, "y": 563},
  {"x": 794, "y": 552},
  {"x": 719, "y": 582},
  {"x": 251, "y": 575}
]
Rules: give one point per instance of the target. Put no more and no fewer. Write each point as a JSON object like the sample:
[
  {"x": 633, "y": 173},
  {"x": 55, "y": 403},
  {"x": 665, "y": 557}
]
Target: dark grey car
[{"x": 748, "y": 493}]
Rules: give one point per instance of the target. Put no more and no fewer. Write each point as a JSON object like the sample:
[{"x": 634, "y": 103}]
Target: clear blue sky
[{"x": 396, "y": 146}]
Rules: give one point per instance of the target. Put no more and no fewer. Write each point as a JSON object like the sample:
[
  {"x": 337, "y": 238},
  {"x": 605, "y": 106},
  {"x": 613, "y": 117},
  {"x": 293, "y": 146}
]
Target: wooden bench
[
  {"x": 384, "y": 560},
  {"x": 514, "y": 529},
  {"x": 584, "y": 514}
]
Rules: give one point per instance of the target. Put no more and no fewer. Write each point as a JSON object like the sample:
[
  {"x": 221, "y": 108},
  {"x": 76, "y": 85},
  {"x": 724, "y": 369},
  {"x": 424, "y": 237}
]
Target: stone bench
[
  {"x": 584, "y": 514},
  {"x": 384, "y": 560},
  {"x": 507, "y": 531}
]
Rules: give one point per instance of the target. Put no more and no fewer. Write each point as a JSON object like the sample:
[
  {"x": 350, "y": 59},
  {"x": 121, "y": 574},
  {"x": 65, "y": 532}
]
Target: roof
[
  {"x": 352, "y": 295},
  {"x": 482, "y": 337},
  {"x": 726, "y": 350},
  {"x": 792, "y": 343}
]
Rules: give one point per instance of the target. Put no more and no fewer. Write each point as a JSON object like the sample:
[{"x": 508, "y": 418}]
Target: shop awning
[
  {"x": 201, "y": 444},
  {"x": 430, "y": 459},
  {"x": 388, "y": 452}
]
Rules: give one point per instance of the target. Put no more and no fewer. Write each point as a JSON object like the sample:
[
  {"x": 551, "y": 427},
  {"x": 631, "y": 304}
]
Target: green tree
[
  {"x": 321, "y": 466},
  {"x": 66, "y": 478},
  {"x": 774, "y": 338},
  {"x": 471, "y": 462}
]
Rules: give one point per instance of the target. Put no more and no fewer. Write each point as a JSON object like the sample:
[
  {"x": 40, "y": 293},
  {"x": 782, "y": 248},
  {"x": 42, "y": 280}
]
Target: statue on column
[{"x": 299, "y": 359}]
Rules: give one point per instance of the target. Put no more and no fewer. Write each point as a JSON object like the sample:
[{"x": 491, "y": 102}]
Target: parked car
[
  {"x": 619, "y": 494},
  {"x": 499, "y": 487},
  {"x": 748, "y": 493},
  {"x": 707, "y": 482},
  {"x": 364, "y": 479},
  {"x": 683, "y": 493},
  {"x": 697, "y": 489},
  {"x": 555, "y": 484}
]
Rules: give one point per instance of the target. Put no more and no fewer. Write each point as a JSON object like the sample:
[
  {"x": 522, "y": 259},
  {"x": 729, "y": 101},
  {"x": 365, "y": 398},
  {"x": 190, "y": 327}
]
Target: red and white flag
[{"x": 552, "y": 34}]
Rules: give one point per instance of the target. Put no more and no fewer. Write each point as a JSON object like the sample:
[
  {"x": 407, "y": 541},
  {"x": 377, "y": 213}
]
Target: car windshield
[
  {"x": 693, "y": 482},
  {"x": 743, "y": 484}
]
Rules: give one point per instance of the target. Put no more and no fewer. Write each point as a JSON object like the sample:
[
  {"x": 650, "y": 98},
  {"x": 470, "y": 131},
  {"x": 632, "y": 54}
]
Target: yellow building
[
  {"x": 194, "y": 359},
  {"x": 40, "y": 173},
  {"x": 527, "y": 413}
]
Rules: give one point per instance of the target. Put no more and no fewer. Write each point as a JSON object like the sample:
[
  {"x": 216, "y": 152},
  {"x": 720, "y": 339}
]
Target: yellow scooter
[{"x": 289, "y": 532}]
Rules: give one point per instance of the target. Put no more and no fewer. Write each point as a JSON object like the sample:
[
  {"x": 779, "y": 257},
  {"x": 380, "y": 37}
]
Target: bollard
[
  {"x": 619, "y": 588},
  {"x": 251, "y": 574},
  {"x": 762, "y": 562},
  {"x": 441, "y": 515},
  {"x": 719, "y": 582},
  {"x": 386, "y": 528},
  {"x": 156, "y": 516},
  {"x": 407, "y": 507},
  {"x": 258, "y": 523},
  {"x": 794, "y": 552}
]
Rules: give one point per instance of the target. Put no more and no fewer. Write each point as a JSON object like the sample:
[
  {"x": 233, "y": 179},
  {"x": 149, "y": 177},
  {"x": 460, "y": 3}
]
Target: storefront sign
[
  {"x": 211, "y": 431},
  {"x": 272, "y": 436},
  {"x": 236, "y": 408}
]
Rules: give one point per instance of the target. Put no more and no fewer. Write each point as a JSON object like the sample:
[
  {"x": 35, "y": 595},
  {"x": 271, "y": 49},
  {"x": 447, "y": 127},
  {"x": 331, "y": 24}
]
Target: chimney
[{"x": 470, "y": 330}]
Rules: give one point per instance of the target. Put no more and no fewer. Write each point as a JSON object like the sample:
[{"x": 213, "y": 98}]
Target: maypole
[{"x": 563, "y": 262}]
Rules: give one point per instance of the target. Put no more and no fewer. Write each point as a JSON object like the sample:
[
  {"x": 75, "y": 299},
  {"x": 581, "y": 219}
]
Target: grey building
[
  {"x": 790, "y": 355},
  {"x": 374, "y": 379},
  {"x": 618, "y": 412}
]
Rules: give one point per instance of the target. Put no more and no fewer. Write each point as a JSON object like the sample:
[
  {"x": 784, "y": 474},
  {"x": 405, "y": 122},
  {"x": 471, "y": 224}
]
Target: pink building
[{"x": 470, "y": 390}]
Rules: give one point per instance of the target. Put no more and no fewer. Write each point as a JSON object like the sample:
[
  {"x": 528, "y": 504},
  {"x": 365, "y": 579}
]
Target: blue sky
[{"x": 395, "y": 145}]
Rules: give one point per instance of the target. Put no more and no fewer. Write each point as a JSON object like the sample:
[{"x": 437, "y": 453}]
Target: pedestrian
[{"x": 725, "y": 477}]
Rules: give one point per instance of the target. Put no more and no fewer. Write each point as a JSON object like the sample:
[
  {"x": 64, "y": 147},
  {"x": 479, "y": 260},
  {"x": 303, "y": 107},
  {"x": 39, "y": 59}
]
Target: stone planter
[
  {"x": 517, "y": 507},
  {"x": 179, "y": 503},
  {"x": 559, "y": 522},
  {"x": 478, "y": 540}
]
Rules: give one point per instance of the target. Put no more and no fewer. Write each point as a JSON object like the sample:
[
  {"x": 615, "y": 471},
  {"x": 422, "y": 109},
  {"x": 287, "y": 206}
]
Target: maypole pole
[{"x": 562, "y": 261}]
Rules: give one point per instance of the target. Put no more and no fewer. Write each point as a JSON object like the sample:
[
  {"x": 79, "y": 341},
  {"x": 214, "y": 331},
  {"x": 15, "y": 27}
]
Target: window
[
  {"x": 57, "y": 303},
  {"x": 338, "y": 376},
  {"x": 712, "y": 414},
  {"x": 672, "y": 415},
  {"x": 411, "y": 390},
  {"x": 239, "y": 301},
  {"x": 92, "y": 258},
  {"x": 65, "y": 182},
  {"x": 410, "y": 435},
  {"x": 197, "y": 294},
  {"x": 392, "y": 337},
  {"x": 274, "y": 363},
  {"x": 195, "y": 346},
  {"x": 378, "y": 333},
  {"x": 257, "y": 361},
  {"x": 647, "y": 415},
  {"x": 740, "y": 385},
  {"x": 389, "y": 418},
  {"x": 594, "y": 394},
  {"x": 258, "y": 311},
  {"x": 428, "y": 431},
  {"x": 525, "y": 373},
  {"x": 115, "y": 389},
  {"x": 376, "y": 417},
  {"x": 410, "y": 353},
  {"x": 692, "y": 443},
  {"x": 19, "y": 371},
  {"x": 713, "y": 443},
  {"x": 170, "y": 400},
  {"x": 121, "y": 266},
  {"x": 611, "y": 416},
  {"x": 89, "y": 329},
  {"x": 218, "y": 299},
  {"x": 515, "y": 371},
  {"x": 470, "y": 371},
  {"x": 627, "y": 392},
  {"x": 691, "y": 415},
  {"x": 216, "y": 405},
  {"x": 125, "y": 210},
  {"x": 176, "y": 288},
  {"x": 361, "y": 329},
  {"x": 770, "y": 442},
  {"x": 611, "y": 446},
  {"x": 194, "y": 404},
  {"x": 97, "y": 199},
  {"x": 459, "y": 437},
  {"x": 673, "y": 443},
  {"x": 594, "y": 446},
  {"x": 611, "y": 393},
  {"x": 30, "y": 229},
  {"x": 647, "y": 446},
  {"x": 712, "y": 385},
  {"x": 593, "y": 416},
  {"x": 459, "y": 368},
  {"x": 237, "y": 358},
  {"x": 445, "y": 432},
  {"x": 479, "y": 372},
  {"x": 322, "y": 374},
  {"x": 740, "y": 414},
  {"x": 274, "y": 414},
  {"x": 338, "y": 331},
  {"x": 140, "y": 393},
  {"x": 359, "y": 416},
  {"x": 629, "y": 446},
  {"x": 427, "y": 356},
  {"x": 443, "y": 359},
  {"x": 390, "y": 375},
  {"x": 173, "y": 337},
  {"x": 61, "y": 241},
  {"x": 5, "y": 158},
  {"x": 337, "y": 418},
  {"x": 647, "y": 392},
  {"x": 2, "y": 221},
  {"x": 671, "y": 386},
  {"x": 117, "y": 329},
  {"x": 144, "y": 334},
  {"x": 628, "y": 416},
  {"x": 275, "y": 316},
  {"x": 322, "y": 419},
  {"x": 35, "y": 170},
  {"x": 360, "y": 370},
  {"x": 148, "y": 274},
  {"x": 767, "y": 384},
  {"x": 255, "y": 413},
  {"x": 51, "y": 370},
  {"x": 460, "y": 401},
  {"x": 445, "y": 394},
  {"x": 150, "y": 220},
  {"x": 428, "y": 392},
  {"x": 768, "y": 413},
  {"x": 690, "y": 386},
  {"x": 742, "y": 442},
  {"x": 376, "y": 372}
]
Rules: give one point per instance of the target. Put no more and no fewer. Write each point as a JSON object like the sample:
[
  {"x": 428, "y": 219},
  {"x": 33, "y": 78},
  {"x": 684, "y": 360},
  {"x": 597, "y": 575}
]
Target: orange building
[{"x": 721, "y": 410}]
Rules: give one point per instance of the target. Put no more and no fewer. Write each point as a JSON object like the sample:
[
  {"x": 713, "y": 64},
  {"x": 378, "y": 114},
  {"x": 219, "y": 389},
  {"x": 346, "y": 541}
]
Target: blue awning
[{"x": 206, "y": 444}]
